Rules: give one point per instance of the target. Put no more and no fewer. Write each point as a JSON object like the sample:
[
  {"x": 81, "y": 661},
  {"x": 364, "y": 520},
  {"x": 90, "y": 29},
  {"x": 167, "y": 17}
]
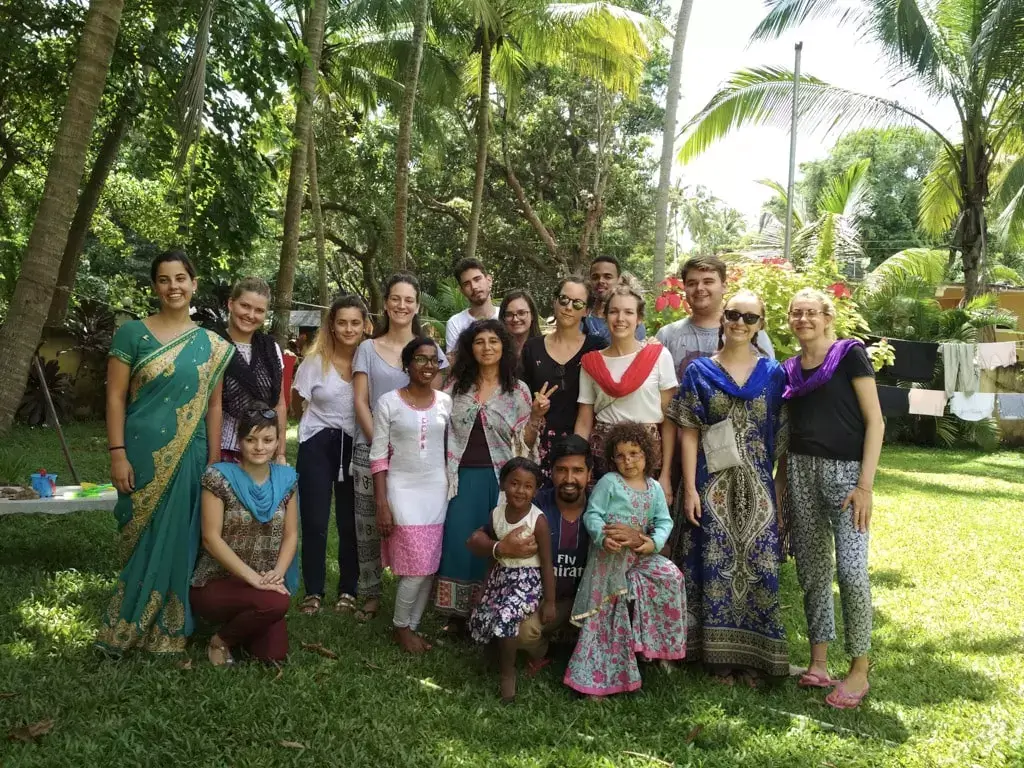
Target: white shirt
[
  {"x": 642, "y": 405},
  {"x": 460, "y": 322},
  {"x": 330, "y": 399}
]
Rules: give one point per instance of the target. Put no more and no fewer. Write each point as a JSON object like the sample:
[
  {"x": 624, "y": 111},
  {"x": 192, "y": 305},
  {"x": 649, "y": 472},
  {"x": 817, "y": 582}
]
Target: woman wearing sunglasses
[
  {"x": 554, "y": 360},
  {"x": 729, "y": 409}
]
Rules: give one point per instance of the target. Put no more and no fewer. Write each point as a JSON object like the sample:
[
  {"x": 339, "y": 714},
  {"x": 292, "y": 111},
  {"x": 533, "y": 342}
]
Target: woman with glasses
[
  {"x": 729, "y": 409},
  {"x": 407, "y": 459},
  {"x": 554, "y": 360},
  {"x": 519, "y": 314},
  {"x": 327, "y": 434},
  {"x": 835, "y": 440},
  {"x": 378, "y": 370}
]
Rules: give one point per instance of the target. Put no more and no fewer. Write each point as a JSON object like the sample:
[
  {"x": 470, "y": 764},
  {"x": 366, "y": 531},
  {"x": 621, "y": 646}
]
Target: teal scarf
[{"x": 263, "y": 500}]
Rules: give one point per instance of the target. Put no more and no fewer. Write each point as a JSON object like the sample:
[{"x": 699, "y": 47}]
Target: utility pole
[{"x": 792, "y": 154}]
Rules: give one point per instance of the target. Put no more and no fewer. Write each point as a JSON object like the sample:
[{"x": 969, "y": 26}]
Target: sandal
[
  {"x": 815, "y": 680},
  {"x": 533, "y": 666},
  {"x": 310, "y": 605},
  {"x": 346, "y": 603},
  {"x": 840, "y": 699}
]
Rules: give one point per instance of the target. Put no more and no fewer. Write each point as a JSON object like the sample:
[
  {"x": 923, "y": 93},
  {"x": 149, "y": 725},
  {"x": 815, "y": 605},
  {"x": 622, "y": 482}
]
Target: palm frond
[
  {"x": 785, "y": 15},
  {"x": 940, "y": 200},
  {"x": 764, "y": 96},
  {"x": 191, "y": 94},
  {"x": 925, "y": 264},
  {"x": 845, "y": 194},
  {"x": 1008, "y": 203}
]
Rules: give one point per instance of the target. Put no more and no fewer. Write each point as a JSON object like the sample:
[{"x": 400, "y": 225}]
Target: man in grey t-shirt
[{"x": 697, "y": 335}]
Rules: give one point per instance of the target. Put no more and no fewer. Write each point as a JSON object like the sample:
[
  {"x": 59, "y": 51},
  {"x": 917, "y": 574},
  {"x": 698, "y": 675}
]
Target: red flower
[
  {"x": 661, "y": 302},
  {"x": 840, "y": 291},
  {"x": 674, "y": 300}
]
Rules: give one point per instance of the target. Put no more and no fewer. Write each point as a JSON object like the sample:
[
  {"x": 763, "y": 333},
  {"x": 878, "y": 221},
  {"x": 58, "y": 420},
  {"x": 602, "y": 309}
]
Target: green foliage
[
  {"x": 15, "y": 468},
  {"x": 447, "y": 300},
  {"x": 33, "y": 409}
]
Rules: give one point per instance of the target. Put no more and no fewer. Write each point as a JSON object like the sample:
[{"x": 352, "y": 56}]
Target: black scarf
[{"x": 259, "y": 380}]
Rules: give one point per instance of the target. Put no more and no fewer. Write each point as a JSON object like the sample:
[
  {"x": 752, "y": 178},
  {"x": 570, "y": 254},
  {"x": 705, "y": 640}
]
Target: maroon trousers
[{"x": 248, "y": 617}]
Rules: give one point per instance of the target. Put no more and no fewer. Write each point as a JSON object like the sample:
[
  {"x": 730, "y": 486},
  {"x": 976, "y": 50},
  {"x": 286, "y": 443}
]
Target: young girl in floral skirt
[
  {"x": 628, "y": 522},
  {"x": 516, "y": 587}
]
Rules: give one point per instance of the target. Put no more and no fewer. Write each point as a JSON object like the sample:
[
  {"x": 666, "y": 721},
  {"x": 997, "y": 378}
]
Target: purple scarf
[{"x": 799, "y": 384}]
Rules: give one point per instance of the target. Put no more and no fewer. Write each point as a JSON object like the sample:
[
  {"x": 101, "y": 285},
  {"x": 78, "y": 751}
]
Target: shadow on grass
[
  {"x": 1000, "y": 645},
  {"x": 943, "y": 490},
  {"x": 890, "y": 578}
]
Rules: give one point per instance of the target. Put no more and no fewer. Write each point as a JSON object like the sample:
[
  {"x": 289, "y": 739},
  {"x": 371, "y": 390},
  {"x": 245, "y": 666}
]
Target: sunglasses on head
[
  {"x": 734, "y": 316},
  {"x": 577, "y": 304},
  {"x": 266, "y": 413}
]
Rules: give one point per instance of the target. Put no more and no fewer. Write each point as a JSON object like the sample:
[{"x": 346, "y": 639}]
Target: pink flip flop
[
  {"x": 814, "y": 680},
  {"x": 840, "y": 699}
]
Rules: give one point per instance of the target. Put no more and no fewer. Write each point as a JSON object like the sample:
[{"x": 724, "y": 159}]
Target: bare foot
[
  {"x": 724, "y": 678},
  {"x": 508, "y": 688},
  {"x": 426, "y": 644},
  {"x": 855, "y": 682},
  {"x": 219, "y": 653},
  {"x": 369, "y": 610},
  {"x": 408, "y": 640}
]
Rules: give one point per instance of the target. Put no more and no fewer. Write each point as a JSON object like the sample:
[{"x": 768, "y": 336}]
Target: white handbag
[{"x": 719, "y": 444}]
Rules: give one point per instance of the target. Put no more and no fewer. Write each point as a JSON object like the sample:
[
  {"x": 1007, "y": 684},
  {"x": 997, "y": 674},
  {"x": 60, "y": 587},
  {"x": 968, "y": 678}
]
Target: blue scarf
[
  {"x": 717, "y": 377},
  {"x": 263, "y": 500}
]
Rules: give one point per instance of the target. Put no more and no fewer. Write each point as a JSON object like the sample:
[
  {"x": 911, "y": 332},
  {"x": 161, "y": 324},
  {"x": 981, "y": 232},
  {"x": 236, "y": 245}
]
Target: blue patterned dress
[{"x": 731, "y": 561}]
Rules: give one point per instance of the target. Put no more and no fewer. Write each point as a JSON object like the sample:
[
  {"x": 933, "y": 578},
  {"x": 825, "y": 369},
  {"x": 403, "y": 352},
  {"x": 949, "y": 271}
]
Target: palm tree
[
  {"x": 313, "y": 39},
  {"x": 38, "y": 278},
  {"x": 968, "y": 52},
  {"x": 597, "y": 39},
  {"x": 668, "y": 139},
  {"x": 824, "y": 229}
]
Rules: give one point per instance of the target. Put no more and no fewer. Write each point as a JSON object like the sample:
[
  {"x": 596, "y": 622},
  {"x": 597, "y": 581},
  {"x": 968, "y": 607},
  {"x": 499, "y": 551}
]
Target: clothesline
[{"x": 918, "y": 401}]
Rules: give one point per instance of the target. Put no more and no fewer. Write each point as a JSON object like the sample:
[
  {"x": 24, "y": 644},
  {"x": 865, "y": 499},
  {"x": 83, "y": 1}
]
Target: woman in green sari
[{"x": 163, "y": 426}]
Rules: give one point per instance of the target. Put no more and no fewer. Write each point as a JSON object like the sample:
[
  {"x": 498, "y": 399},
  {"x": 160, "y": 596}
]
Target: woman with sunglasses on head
[
  {"x": 729, "y": 409},
  {"x": 327, "y": 434},
  {"x": 378, "y": 370},
  {"x": 256, "y": 371},
  {"x": 554, "y": 360},
  {"x": 836, "y": 430},
  {"x": 519, "y": 314},
  {"x": 410, "y": 482}
]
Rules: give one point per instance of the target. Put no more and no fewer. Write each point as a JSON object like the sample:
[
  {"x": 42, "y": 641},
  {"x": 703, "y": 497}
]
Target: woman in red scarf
[{"x": 628, "y": 381}]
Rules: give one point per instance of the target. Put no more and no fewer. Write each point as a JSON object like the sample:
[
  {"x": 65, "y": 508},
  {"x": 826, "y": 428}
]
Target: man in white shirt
[
  {"x": 475, "y": 284},
  {"x": 697, "y": 335}
]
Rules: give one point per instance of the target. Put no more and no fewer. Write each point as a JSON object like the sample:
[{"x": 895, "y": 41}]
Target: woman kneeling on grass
[
  {"x": 247, "y": 570},
  {"x": 836, "y": 432}
]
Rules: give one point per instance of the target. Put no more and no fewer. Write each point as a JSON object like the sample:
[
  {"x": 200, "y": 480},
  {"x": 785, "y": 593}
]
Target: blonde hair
[
  {"x": 323, "y": 343},
  {"x": 828, "y": 307},
  {"x": 749, "y": 295}
]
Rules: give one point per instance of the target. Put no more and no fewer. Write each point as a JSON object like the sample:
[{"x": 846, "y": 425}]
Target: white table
[{"x": 58, "y": 505}]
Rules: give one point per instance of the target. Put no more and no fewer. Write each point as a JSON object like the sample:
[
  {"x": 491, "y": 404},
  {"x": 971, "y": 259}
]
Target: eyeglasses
[
  {"x": 734, "y": 316},
  {"x": 565, "y": 301},
  {"x": 424, "y": 360},
  {"x": 810, "y": 314},
  {"x": 629, "y": 457},
  {"x": 522, "y": 314},
  {"x": 266, "y": 413}
]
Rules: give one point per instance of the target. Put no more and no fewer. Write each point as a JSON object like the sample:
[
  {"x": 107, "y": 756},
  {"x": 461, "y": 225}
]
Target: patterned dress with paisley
[
  {"x": 165, "y": 439},
  {"x": 731, "y": 561}
]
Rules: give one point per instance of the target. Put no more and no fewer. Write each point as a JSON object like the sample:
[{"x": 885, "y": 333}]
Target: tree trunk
[
  {"x": 404, "y": 148},
  {"x": 974, "y": 171},
  {"x": 483, "y": 112},
  {"x": 668, "y": 140},
  {"x": 318, "y": 228},
  {"x": 313, "y": 37},
  {"x": 34, "y": 290},
  {"x": 11, "y": 155}
]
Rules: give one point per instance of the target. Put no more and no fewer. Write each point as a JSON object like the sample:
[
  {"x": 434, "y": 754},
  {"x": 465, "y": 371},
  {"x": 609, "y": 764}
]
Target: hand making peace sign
[{"x": 542, "y": 401}]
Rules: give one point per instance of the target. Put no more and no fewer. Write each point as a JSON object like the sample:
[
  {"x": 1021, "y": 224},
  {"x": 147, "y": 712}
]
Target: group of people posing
[{"x": 633, "y": 496}]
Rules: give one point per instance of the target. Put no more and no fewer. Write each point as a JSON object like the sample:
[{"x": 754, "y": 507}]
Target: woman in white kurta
[{"x": 407, "y": 459}]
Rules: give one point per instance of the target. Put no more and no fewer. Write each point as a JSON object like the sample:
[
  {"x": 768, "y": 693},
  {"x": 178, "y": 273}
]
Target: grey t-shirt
[
  {"x": 380, "y": 375},
  {"x": 686, "y": 341}
]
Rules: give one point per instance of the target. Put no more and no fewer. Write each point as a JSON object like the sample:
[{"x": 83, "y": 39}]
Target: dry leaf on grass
[
  {"x": 30, "y": 732},
  {"x": 693, "y": 734},
  {"x": 185, "y": 664},
  {"x": 327, "y": 653},
  {"x": 292, "y": 744},
  {"x": 8, "y": 695},
  {"x": 372, "y": 666}
]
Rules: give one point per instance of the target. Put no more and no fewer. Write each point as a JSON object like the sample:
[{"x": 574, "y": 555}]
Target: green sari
[{"x": 165, "y": 439}]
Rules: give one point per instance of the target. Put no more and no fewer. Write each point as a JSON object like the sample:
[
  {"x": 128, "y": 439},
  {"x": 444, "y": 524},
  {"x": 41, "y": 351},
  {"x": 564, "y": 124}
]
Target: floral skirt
[{"x": 510, "y": 595}]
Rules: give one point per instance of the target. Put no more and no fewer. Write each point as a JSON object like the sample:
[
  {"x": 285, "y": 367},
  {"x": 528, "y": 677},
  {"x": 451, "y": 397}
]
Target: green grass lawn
[{"x": 947, "y": 684}]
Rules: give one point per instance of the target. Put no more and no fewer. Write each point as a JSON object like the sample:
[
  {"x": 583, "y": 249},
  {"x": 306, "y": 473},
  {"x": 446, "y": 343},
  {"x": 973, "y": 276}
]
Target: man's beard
[{"x": 569, "y": 492}]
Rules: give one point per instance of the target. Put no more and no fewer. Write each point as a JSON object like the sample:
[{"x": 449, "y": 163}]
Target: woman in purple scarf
[{"x": 835, "y": 439}]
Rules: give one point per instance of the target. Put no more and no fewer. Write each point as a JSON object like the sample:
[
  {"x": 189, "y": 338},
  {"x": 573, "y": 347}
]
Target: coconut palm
[
  {"x": 826, "y": 228},
  {"x": 599, "y": 40},
  {"x": 967, "y": 52},
  {"x": 33, "y": 292}
]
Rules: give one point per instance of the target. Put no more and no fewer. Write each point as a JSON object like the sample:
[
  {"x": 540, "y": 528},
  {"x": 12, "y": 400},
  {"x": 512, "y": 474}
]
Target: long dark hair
[
  {"x": 466, "y": 369},
  {"x": 395, "y": 279},
  {"x": 534, "y": 324}
]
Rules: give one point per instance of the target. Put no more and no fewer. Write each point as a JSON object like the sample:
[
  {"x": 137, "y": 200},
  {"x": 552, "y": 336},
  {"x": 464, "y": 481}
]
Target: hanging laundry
[
  {"x": 972, "y": 407},
  {"x": 893, "y": 400},
  {"x": 997, "y": 354},
  {"x": 961, "y": 367},
  {"x": 927, "y": 402},
  {"x": 1011, "y": 406},
  {"x": 915, "y": 360}
]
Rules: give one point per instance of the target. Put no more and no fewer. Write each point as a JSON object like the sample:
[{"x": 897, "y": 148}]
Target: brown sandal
[{"x": 310, "y": 605}]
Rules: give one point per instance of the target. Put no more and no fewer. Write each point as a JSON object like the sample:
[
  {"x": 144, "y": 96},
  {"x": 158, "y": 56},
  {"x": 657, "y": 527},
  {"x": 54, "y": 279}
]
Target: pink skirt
[{"x": 412, "y": 550}]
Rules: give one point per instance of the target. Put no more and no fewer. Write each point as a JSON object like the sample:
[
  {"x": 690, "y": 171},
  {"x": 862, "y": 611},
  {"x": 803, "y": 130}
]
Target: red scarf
[{"x": 636, "y": 374}]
